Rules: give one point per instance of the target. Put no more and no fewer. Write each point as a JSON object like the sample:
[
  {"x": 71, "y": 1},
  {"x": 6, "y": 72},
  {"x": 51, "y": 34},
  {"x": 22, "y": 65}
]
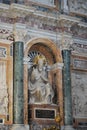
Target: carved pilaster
[
  {"x": 57, "y": 69},
  {"x": 66, "y": 46},
  {"x": 18, "y": 91}
]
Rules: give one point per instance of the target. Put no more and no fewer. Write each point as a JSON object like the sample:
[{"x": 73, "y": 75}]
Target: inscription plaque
[
  {"x": 80, "y": 64},
  {"x": 50, "y": 114}
]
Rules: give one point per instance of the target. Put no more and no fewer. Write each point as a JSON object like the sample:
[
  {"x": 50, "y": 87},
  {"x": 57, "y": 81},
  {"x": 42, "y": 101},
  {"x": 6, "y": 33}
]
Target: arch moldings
[
  {"x": 56, "y": 51},
  {"x": 58, "y": 59}
]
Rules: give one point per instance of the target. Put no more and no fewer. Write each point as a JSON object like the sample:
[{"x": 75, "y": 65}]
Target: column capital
[
  {"x": 66, "y": 41},
  {"x": 18, "y": 33}
]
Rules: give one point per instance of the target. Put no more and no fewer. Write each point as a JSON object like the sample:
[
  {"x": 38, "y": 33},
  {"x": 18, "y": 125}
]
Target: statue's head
[{"x": 40, "y": 61}]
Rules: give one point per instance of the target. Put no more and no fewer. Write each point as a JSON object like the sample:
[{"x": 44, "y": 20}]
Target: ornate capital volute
[
  {"x": 66, "y": 42},
  {"x": 19, "y": 32}
]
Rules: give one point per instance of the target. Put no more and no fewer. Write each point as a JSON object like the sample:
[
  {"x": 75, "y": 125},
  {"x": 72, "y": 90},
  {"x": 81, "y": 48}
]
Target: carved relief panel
[
  {"x": 5, "y": 84},
  {"x": 78, "y": 6},
  {"x": 79, "y": 87}
]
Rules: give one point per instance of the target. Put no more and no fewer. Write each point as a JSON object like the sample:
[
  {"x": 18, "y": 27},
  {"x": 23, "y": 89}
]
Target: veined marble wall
[
  {"x": 6, "y": 81},
  {"x": 79, "y": 93},
  {"x": 3, "y": 89}
]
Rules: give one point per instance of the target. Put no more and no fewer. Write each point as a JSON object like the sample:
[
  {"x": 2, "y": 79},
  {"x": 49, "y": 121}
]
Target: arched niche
[{"x": 53, "y": 54}]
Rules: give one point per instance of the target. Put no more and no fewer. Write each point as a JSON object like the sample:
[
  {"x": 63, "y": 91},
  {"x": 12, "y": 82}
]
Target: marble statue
[{"x": 40, "y": 90}]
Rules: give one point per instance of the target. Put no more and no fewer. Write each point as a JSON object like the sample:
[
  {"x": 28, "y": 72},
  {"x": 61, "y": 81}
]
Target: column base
[
  {"x": 68, "y": 127},
  {"x": 19, "y": 127}
]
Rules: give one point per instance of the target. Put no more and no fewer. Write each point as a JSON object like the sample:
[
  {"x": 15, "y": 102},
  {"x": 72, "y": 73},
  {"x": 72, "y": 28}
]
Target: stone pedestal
[{"x": 18, "y": 88}]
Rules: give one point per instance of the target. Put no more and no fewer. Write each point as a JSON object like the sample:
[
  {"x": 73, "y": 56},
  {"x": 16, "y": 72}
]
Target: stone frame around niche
[{"x": 57, "y": 69}]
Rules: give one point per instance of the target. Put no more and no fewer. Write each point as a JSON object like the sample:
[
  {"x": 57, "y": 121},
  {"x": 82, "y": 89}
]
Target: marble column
[
  {"x": 67, "y": 89},
  {"x": 18, "y": 98},
  {"x": 18, "y": 93}
]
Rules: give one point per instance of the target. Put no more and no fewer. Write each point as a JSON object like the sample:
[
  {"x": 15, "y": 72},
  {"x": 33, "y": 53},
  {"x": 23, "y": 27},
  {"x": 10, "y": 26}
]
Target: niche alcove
[{"x": 42, "y": 83}]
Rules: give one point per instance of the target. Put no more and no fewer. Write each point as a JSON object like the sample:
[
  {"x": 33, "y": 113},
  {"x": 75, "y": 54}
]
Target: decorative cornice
[
  {"x": 69, "y": 18},
  {"x": 4, "y": 6},
  {"x": 43, "y": 33},
  {"x": 18, "y": 10},
  {"x": 56, "y": 66},
  {"x": 70, "y": 21},
  {"x": 6, "y": 41},
  {"x": 53, "y": 67},
  {"x": 25, "y": 8},
  {"x": 6, "y": 26},
  {"x": 22, "y": 10},
  {"x": 64, "y": 38},
  {"x": 82, "y": 24},
  {"x": 79, "y": 40}
]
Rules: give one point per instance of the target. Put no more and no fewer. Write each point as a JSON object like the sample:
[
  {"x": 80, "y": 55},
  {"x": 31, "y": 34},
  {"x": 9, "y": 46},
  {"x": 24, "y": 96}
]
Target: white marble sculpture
[{"x": 40, "y": 90}]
